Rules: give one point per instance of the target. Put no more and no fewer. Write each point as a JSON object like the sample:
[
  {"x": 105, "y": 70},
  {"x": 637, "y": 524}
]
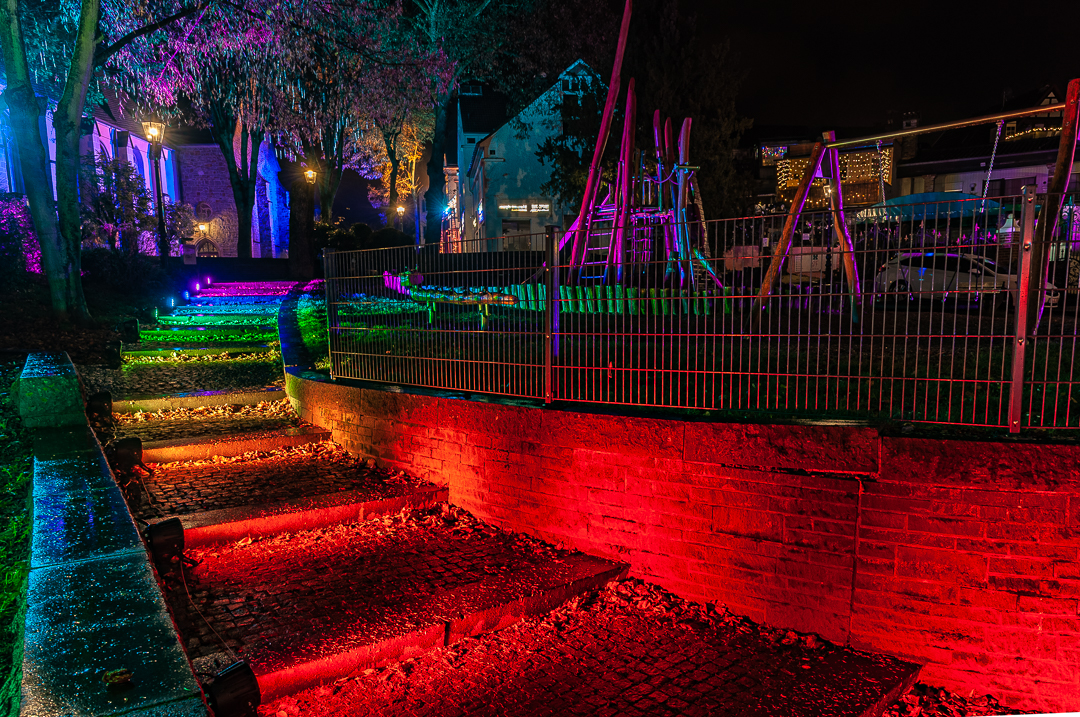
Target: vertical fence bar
[
  {"x": 1023, "y": 299},
  {"x": 550, "y": 272}
]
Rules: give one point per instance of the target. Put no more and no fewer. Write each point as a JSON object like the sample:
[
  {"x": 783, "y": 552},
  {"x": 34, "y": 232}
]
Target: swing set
[{"x": 648, "y": 219}]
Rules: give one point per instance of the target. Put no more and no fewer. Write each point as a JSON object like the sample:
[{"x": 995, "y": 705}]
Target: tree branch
[{"x": 104, "y": 53}]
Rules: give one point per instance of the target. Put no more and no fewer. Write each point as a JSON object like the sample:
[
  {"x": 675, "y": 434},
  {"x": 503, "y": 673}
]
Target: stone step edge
[
  {"x": 257, "y": 349},
  {"x": 202, "y": 447},
  {"x": 198, "y": 400},
  {"x": 258, "y": 521},
  {"x": 878, "y": 708},
  {"x": 282, "y": 682}
]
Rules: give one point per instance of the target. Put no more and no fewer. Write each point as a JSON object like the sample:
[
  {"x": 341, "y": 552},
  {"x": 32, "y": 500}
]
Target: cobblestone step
[
  {"x": 285, "y": 475},
  {"x": 232, "y": 349},
  {"x": 195, "y": 448},
  {"x": 261, "y": 521},
  {"x": 195, "y": 399},
  {"x": 310, "y": 607}
]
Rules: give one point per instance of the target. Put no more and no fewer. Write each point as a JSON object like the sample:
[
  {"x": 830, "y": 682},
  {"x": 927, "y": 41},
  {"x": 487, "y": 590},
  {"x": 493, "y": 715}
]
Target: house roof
[{"x": 482, "y": 114}]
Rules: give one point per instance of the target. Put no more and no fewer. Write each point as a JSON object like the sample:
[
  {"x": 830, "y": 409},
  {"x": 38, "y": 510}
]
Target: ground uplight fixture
[{"x": 310, "y": 174}]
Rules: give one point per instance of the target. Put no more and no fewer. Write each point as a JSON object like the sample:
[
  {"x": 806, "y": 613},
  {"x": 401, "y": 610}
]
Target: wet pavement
[{"x": 633, "y": 649}]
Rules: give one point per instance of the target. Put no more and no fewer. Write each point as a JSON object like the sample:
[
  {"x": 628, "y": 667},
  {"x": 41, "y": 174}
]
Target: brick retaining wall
[{"x": 961, "y": 555}]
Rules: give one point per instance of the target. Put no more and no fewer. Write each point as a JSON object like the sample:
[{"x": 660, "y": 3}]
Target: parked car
[{"x": 942, "y": 275}]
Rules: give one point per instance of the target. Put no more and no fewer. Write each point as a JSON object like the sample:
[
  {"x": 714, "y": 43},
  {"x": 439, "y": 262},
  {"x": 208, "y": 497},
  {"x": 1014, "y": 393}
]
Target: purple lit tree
[{"x": 68, "y": 48}]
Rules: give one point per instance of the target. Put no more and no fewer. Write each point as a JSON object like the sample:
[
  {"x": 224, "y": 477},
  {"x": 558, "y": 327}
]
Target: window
[
  {"x": 472, "y": 90},
  {"x": 491, "y": 153},
  {"x": 206, "y": 248},
  {"x": 1014, "y": 187},
  {"x": 203, "y": 212},
  {"x": 471, "y": 140}
]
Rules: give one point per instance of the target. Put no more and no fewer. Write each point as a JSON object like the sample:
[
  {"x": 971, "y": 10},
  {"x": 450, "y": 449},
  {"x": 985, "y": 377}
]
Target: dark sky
[{"x": 845, "y": 63}]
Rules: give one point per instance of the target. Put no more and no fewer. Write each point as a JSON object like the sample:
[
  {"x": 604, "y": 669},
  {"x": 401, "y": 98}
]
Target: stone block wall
[
  {"x": 959, "y": 555},
  {"x": 204, "y": 178}
]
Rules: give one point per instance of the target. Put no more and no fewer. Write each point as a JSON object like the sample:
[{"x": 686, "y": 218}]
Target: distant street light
[{"x": 154, "y": 130}]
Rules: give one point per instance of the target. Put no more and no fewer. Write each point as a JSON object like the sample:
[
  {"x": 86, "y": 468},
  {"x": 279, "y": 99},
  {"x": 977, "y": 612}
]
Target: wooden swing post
[
  {"x": 1055, "y": 196},
  {"x": 836, "y": 203},
  {"x": 577, "y": 251},
  {"x": 782, "y": 248}
]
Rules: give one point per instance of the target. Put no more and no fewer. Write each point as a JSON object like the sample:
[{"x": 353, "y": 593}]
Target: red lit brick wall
[{"x": 960, "y": 555}]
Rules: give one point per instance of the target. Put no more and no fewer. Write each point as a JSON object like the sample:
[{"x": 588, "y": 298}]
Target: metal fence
[{"x": 948, "y": 324}]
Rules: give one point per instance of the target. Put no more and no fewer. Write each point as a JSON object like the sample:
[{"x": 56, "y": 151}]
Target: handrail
[{"x": 985, "y": 119}]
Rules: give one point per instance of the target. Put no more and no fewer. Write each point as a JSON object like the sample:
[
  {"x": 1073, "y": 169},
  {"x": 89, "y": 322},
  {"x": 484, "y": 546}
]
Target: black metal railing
[{"x": 948, "y": 321}]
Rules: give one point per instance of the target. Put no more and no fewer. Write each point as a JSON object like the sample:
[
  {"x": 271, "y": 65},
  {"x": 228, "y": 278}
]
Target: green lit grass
[
  {"x": 15, "y": 469},
  {"x": 311, "y": 315}
]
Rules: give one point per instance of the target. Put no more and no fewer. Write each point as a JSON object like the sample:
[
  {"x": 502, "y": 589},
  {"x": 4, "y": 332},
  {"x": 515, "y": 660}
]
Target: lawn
[{"x": 15, "y": 470}]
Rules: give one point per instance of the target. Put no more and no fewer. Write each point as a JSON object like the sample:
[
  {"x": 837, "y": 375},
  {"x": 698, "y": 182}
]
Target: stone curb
[
  {"x": 199, "y": 399},
  {"x": 260, "y": 349},
  {"x": 256, "y": 521},
  {"x": 203, "y": 447}
]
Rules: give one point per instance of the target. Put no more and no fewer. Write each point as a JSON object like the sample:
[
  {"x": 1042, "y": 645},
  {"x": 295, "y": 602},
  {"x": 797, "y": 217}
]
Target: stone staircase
[{"x": 313, "y": 566}]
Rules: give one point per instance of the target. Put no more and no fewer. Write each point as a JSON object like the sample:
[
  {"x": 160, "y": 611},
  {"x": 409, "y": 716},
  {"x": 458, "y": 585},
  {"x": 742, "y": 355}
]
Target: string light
[
  {"x": 858, "y": 175},
  {"x": 1042, "y": 131}
]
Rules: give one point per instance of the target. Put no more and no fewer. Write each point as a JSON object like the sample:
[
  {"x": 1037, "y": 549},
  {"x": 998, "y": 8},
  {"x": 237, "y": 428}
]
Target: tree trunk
[
  {"x": 66, "y": 123},
  {"x": 301, "y": 228},
  {"x": 390, "y": 140},
  {"x": 243, "y": 169},
  {"x": 436, "y": 193},
  {"x": 329, "y": 182},
  {"x": 34, "y": 160}
]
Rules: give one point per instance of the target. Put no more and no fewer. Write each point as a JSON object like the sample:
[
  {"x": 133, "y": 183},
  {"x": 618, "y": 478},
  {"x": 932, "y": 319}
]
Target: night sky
[{"x": 849, "y": 64}]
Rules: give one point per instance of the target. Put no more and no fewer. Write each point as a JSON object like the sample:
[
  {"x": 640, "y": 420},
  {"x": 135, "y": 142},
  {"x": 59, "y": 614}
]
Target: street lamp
[
  {"x": 154, "y": 130},
  {"x": 401, "y": 217},
  {"x": 310, "y": 174}
]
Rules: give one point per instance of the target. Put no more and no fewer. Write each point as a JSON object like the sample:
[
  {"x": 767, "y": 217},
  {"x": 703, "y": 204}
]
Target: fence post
[
  {"x": 551, "y": 271},
  {"x": 1024, "y": 295},
  {"x": 331, "y": 316}
]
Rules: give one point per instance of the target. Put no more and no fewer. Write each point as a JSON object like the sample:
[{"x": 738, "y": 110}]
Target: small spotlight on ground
[{"x": 234, "y": 691}]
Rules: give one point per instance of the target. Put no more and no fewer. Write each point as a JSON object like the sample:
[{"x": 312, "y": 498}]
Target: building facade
[{"x": 500, "y": 204}]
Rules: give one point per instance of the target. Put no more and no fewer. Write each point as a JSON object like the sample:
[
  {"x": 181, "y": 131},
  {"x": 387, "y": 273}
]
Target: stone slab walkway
[{"x": 633, "y": 650}]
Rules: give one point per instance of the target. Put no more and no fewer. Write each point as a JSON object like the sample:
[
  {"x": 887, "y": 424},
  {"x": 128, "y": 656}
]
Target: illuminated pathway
[{"x": 321, "y": 569}]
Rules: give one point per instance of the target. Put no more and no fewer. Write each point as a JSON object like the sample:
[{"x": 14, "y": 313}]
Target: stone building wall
[{"x": 204, "y": 179}]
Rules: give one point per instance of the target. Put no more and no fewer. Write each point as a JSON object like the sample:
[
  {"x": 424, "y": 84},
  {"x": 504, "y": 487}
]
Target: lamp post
[
  {"x": 155, "y": 134},
  {"x": 401, "y": 217}
]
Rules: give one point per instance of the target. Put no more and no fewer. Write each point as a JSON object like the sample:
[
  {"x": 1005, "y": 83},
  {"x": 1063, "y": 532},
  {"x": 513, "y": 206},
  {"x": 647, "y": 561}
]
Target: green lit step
[{"x": 209, "y": 351}]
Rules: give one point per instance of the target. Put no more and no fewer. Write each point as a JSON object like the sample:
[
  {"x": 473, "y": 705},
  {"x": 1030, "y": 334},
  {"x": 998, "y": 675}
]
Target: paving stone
[{"x": 604, "y": 658}]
